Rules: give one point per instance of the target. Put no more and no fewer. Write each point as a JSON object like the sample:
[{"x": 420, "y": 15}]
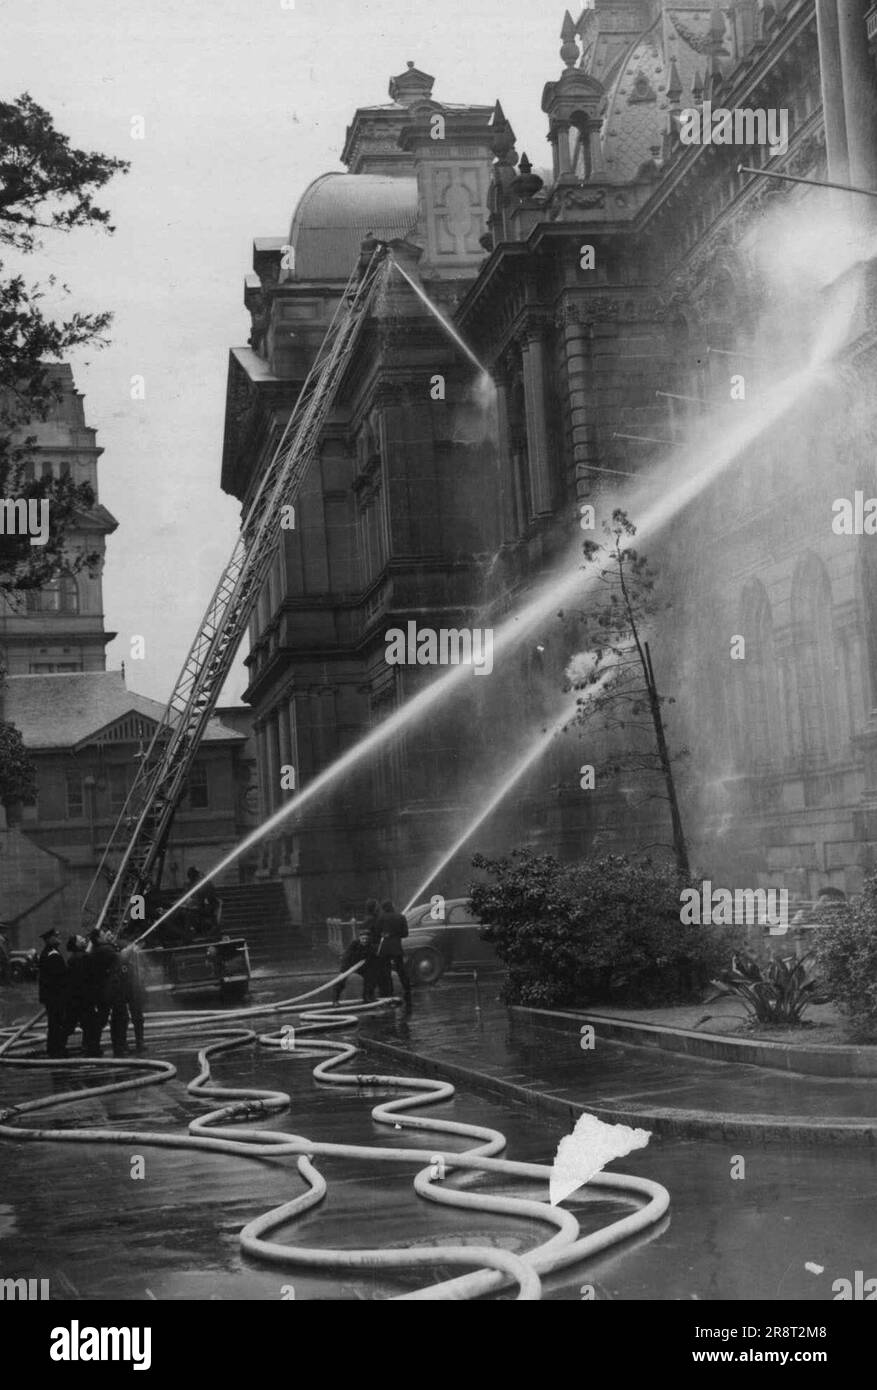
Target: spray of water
[
  {"x": 447, "y": 326},
  {"x": 501, "y": 791},
  {"x": 655, "y": 502}
]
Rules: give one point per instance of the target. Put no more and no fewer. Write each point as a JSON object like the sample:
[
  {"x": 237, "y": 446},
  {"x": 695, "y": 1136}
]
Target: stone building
[
  {"x": 635, "y": 317},
  {"x": 60, "y": 627},
  {"x": 85, "y": 730}
]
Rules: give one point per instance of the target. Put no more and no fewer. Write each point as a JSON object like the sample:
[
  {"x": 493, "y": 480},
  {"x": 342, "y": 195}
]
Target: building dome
[{"x": 337, "y": 212}]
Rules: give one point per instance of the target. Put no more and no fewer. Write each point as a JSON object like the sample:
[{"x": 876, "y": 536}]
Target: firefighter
[
  {"x": 392, "y": 927},
  {"x": 133, "y": 992},
  {"x": 53, "y": 993},
  {"x": 362, "y": 947},
  {"x": 202, "y": 911},
  {"x": 80, "y": 1010},
  {"x": 106, "y": 992}
]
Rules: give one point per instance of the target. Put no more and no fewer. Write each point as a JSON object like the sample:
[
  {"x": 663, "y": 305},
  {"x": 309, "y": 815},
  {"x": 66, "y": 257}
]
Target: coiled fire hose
[{"x": 219, "y": 1131}]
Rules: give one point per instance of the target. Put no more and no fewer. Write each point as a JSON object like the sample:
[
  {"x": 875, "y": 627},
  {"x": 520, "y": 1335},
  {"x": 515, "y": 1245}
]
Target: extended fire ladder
[{"x": 140, "y": 835}]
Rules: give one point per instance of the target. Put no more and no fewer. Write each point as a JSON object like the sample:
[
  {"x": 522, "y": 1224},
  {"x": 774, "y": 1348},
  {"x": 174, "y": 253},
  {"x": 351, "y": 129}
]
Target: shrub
[
  {"x": 777, "y": 994},
  {"x": 847, "y": 957},
  {"x": 606, "y": 928}
]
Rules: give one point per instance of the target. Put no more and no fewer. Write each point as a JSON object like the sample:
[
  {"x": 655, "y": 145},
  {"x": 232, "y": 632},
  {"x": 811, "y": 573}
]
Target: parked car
[
  {"x": 20, "y": 965},
  {"x": 433, "y": 946}
]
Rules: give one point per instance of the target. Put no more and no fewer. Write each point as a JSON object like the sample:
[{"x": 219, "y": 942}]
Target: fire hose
[{"x": 220, "y": 1131}]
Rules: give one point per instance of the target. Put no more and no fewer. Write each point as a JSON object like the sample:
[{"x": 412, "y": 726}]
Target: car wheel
[
  {"x": 16, "y": 973},
  {"x": 426, "y": 966}
]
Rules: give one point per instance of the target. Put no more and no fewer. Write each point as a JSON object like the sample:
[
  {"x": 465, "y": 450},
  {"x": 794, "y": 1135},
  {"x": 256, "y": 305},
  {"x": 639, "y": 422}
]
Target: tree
[
  {"x": 18, "y": 781},
  {"x": 45, "y": 185},
  {"x": 616, "y": 674}
]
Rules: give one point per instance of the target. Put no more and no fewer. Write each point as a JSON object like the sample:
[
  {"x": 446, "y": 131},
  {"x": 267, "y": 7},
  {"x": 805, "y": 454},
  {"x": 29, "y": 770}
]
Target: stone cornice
[{"x": 756, "y": 69}]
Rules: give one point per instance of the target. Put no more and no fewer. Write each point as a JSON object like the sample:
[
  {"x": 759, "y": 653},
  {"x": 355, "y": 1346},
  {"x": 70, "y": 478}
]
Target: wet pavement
[
  {"x": 614, "y": 1076},
  {"x": 74, "y": 1215}
]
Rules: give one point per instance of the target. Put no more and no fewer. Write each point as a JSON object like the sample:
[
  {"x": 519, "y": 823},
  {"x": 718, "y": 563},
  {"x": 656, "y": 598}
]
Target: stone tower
[{"x": 60, "y": 627}]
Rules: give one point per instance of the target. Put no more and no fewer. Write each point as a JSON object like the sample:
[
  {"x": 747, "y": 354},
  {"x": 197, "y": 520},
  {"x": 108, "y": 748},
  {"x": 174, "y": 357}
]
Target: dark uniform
[
  {"x": 134, "y": 991},
  {"x": 362, "y": 947},
  {"x": 392, "y": 927},
  {"x": 106, "y": 991},
  {"x": 53, "y": 994},
  {"x": 201, "y": 912},
  {"x": 80, "y": 1010}
]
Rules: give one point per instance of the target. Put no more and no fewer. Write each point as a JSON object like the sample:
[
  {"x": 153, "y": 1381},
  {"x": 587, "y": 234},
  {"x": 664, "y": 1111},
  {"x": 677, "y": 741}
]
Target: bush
[
  {"x": 776, "y": 994},
  {"x": 603, "y": 929},
  {"x": 847, "y": 957}
]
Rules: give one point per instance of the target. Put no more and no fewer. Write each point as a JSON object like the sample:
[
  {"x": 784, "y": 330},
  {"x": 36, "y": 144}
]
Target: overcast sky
[{"x": 244, "y": 102}]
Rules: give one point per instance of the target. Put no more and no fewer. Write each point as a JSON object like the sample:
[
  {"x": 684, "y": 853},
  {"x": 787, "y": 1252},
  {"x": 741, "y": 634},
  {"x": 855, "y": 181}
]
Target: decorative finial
[
  {"x": 503, "y": 137},
  {"x": 569, "y": 49},
  {"x": 527, "y": 184},
  {"x": 411, "y": 62},
  {"x": 697, "y": 87},
  {"x": 715, "y": 76},
  {"x": 674, "y": 85}
]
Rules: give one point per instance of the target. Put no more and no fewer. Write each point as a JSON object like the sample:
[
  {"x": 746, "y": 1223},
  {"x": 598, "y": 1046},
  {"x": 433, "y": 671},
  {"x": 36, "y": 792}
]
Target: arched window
[
  {"x": 816, "y": 667},
  {"x": 762, "y": 732}
]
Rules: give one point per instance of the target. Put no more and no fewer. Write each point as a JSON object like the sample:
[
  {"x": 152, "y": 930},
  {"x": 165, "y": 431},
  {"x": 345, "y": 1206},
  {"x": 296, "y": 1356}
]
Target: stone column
[
  {"x": 518, "y": 492},
  {"x": 560, "y": 140},
  {"x": 286, "y": 760},
  {"x": 285, "y": 741},
  {"x": 859, "y": 93},
  {"x": 831, "y": 79},
  {"x": 264, "y": 795},
  {"x": 506, "y": 463},
  {"x": 274, "y": 759},
  {"x": 533, "y": 353},
  {"x": 272, "y": 744},
  {"x": 579, "y": 380}
]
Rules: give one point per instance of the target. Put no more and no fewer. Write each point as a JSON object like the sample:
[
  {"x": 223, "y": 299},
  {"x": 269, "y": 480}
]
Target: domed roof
[
  {"x": 337, "y": 212},
  {"x": 675, "y": 48}
]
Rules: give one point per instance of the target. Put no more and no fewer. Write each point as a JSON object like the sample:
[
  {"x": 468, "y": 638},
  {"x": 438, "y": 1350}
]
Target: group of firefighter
[
  {"x": 102, "y": 981},
  {"x": 98, "y": 983},
  {"x": 378, "y": 944}
]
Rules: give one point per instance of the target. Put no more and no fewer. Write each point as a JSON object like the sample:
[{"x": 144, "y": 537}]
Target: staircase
[{"x": 258, "y": 912}]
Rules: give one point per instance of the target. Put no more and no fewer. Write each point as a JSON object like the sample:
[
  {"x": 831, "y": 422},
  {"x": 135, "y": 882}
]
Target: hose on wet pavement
[{"x": 219, "y": 1131}]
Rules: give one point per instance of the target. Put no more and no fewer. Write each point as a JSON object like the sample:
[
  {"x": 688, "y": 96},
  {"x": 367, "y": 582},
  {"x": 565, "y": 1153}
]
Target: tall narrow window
[
  {"x": 68, "y": 593},
  {"x": 75, "y": 796},
  {"x": 198, "y": 789},
  {"x": 117, "y": 776},
  {"x": 760, "y": 683},
  {"x": 816, "y": 662}
]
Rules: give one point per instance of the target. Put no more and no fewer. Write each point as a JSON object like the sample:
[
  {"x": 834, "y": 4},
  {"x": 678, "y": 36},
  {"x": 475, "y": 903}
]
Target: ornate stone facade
[{"x": 417, "y": 509}]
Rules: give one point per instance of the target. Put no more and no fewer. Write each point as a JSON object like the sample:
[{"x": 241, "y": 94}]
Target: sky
[{"x": 243, "y": 103}]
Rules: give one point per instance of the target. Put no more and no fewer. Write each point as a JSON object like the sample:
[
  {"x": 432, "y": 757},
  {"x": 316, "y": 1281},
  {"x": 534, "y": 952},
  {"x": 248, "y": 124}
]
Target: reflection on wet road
[{"x": 76, "y": 1216}]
